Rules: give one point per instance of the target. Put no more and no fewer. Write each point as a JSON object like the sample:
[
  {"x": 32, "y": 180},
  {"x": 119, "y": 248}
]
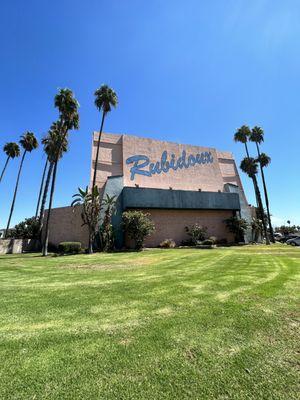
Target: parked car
[
  {"x": 278, "y": 236},
  {"x": 284, "y": 239},
  {"x": 294, "y": 242}
]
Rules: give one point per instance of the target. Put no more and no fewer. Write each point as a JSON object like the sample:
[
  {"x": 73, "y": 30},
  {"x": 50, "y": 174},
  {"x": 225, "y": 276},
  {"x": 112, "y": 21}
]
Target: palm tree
[
  {"x": 44, "y": 199},
  {"x": 41, "y": 189},
  {"x": 28, "y": 142},
  {"x": 106, "y": 98},
  {"x": 264, "y": 161},
  {"x": 90, "y": 210},
  {"x": 257, "y": 136},
  {"x": 242, "y": 135},
  {"x": 68, "y": 119},
  {"x": 51, "y": 143},
  {"x": 249, "y": 166},
  {"x": 12, "y": 150}
]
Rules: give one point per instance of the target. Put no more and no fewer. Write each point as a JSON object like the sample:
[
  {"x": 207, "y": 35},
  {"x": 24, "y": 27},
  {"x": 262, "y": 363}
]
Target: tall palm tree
[
  {"x": 106, "y": 98},
  {"x": 68, "y": 119},
  {"x": 257, "y": 136},
  {"x": 41, "y": 189},
  {"x": 12, "y": 150},
  {"x": 44, "y": 199},
  {"x": 29, "y": 142},
  {"x": 242, "y": 135},
  {"x": 51, "y": 143},
  {"x": 249, "y": 166}
]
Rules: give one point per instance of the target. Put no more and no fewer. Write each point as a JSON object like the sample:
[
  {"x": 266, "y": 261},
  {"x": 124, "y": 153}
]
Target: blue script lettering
[{"x": 141, "y": 162}]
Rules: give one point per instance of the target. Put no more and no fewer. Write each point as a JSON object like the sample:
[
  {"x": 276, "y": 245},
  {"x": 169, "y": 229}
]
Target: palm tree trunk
[
  {"x": 260, "y": 206},
  {"x": 44, "y": 199},
  {"x": 90, "y": 250},
  {"x": 257, "y": 200},
  {"x": 97, "y": 153},
  {"x": 15, "y": 194},
  {"x": 41, "y": 190},
  {"x": 47, "y": 228},
  {"x": 4, "y": 168},
  {"x": 266, "y": 195},
  {"x": 247, "y": 152}
]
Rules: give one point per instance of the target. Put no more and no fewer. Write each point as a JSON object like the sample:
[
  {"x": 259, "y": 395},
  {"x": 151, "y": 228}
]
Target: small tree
[
  {"x": 197, "y": 233},
  {"x": 106, "y": 228},
  {"x": 27, "y": 229},
  {"x": 237, "y": 226},
  {"x": 138, "y": 226},
  {"x": 90, "y": 211},
  {"x": 287, "y": 229},
  {"x": 257, "y": 228}
]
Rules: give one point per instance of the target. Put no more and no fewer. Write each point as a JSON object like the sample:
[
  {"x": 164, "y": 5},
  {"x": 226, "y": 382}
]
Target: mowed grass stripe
[{"x": 161, "y": 324}]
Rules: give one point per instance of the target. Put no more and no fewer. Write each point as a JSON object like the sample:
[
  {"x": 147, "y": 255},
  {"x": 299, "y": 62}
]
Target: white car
[{"x": 278, "y": 236}]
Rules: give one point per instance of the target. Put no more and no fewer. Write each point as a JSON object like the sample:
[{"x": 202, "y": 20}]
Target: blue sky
[{"x": 188, "y": 71}]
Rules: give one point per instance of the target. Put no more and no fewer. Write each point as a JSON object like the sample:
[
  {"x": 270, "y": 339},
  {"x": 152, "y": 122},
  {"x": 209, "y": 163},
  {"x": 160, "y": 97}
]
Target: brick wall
[
  {"x": 170, "y": 224},
  {"x": 65, "y": 226}
]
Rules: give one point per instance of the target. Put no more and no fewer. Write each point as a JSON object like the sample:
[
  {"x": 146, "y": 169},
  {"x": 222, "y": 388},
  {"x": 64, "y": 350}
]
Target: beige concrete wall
[
  {"x": 229, "y": 170},
  {"x": 116, "y": 148},
  {"x": 170, "y": 224},
  {"x": 65, "y": 226},
  {"x": 110, "y": 161},
  {"x": 17, "y": 246},
  {"x": 206, "y": 177}
]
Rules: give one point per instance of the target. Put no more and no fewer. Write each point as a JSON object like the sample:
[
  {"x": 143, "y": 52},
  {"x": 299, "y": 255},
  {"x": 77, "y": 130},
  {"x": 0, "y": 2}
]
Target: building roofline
[{"x": 162, "y": 140}]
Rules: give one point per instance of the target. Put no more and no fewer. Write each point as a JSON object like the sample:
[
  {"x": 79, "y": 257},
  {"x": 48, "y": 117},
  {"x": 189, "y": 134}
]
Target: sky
[{"x": 190, "y": 72}]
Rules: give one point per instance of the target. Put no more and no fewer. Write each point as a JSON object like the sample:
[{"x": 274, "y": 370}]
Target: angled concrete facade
[{"x": 177, "y": 184}]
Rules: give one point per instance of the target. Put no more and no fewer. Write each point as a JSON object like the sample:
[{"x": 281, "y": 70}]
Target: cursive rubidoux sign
[{"x": 143, "y": 166}]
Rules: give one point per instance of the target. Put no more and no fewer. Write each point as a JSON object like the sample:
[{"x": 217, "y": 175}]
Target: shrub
[
  {"x": 222, "y": 241},
  {"x": 168, "y": 244},
  {"x": 213, "y": 239},
  {"x": 208, "y": 242},
  {"x": 69, "y": 247},
  {"x": 197, "y": 233},
  {"x": 237, "y": 226},
  {"x": 138, "y": 226},
  {"x": 106, "y": 237},
  {"x": 52, "y": 248}
]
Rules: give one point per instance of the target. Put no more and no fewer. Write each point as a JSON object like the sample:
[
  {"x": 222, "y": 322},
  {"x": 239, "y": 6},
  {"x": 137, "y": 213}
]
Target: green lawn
[{"x": 161, "y": 324}]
